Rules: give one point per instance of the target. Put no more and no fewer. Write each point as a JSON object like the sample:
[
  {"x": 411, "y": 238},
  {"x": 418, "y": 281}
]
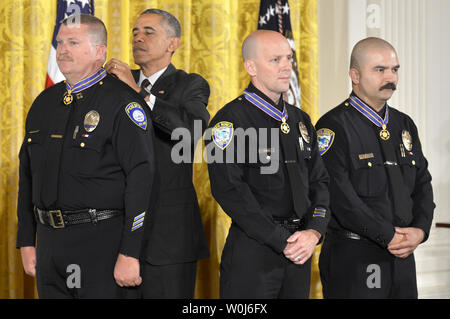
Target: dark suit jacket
[{"x": 174, "y": 232}]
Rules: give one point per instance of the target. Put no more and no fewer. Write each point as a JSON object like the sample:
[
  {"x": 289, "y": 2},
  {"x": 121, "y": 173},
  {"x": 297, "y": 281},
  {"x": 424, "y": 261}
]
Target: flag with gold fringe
[{"x": 274, "y": 15}]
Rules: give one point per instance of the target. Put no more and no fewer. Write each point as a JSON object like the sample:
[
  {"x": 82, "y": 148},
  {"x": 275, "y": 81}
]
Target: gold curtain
[{"x": 212, "y": 33}]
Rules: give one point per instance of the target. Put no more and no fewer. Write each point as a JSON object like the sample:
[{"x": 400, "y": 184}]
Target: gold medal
[
  {"x": 68, "y": 98},
  {"x": 285, "y": 127},
  {"x": 384, "y": 133}
]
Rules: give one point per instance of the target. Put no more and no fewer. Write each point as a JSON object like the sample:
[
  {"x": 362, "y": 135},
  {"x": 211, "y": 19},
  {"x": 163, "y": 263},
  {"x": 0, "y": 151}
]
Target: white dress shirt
[{"x": 152, "y": 79}]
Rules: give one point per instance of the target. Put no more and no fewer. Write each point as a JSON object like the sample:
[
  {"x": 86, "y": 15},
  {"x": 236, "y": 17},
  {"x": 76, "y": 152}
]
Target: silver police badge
[
  {"x": 407, "y": 140},
  {"x": 304, "y": 131},
  {"x": 91, "y": 121}
]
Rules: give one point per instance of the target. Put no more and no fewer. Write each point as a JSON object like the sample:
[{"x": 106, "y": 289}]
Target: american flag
[
  {"x": 65, "y": 9},
  {"x": 274, "y": 15}
]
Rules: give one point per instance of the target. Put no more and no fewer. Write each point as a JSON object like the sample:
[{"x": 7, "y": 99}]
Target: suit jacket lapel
[
  {"x": 164, "y": 82},
  {"x": 136, "y": 74}
]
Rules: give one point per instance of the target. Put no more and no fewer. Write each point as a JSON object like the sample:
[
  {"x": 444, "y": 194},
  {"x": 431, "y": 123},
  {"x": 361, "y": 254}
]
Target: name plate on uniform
[{"x": 365, "y": 156}]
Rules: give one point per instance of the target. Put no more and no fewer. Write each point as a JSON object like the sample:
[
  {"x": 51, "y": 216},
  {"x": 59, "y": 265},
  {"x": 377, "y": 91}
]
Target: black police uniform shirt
[
  {"x": 360, "y": 196},
  {"x": 109, "y": 167},
  {"x": 252, "y": 198}
]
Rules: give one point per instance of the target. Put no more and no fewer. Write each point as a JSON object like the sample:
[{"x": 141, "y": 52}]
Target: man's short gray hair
[
  {"x": 173, "y": 25},
  {"x": 96, "y": 27}
]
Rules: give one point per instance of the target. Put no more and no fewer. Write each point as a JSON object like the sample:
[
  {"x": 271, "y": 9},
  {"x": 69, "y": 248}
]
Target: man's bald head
[
  {"x": 252, "y": 44},
  {"x": 360, "y": 50},
  {"x": 268, "y": 60},
  {"x": 374, "y": 71}
]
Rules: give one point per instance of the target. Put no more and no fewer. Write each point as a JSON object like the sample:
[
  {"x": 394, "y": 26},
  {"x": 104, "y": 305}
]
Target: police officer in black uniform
[
  {"x": 267, "y": 175},
  {"x": 86, "y": 173},
  {"x": 380, "y": 188}
]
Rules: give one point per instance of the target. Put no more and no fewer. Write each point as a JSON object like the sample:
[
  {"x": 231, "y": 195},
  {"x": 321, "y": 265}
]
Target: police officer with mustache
[
  {"x": 380, "y": 188},
  {"x": 86, "y": 175}
]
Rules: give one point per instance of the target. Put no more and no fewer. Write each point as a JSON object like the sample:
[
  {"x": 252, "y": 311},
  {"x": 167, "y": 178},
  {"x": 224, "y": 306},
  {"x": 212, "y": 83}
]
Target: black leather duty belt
[
  {"x": 345, "y": 234},
  {"x": 292, "y": 224},
  {"x": 62, "y": 219}
]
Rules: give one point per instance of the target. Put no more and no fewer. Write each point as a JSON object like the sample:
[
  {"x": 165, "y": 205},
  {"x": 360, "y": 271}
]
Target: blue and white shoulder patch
[
  {"x": 325, "y": 138},
  {"x": 138, "y": 221},
  {"x": 137, "y": 114},
  {"x": 222, "y": 134}
]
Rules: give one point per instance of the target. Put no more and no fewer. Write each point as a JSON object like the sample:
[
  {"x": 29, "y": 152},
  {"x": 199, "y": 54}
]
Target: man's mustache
[
  {"x": 389, "y": 86},
  {"x": 63, "y": 57}
]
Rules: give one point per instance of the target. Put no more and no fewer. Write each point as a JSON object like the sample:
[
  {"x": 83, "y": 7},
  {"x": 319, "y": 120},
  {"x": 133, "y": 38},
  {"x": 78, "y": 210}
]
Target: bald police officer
[
  {"x": 380, "y": 187},
  {"x": 267, "y": 175}
]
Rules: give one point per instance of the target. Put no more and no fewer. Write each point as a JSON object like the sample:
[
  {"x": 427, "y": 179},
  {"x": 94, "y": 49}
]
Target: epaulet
[{"x": 346, "y": 103}]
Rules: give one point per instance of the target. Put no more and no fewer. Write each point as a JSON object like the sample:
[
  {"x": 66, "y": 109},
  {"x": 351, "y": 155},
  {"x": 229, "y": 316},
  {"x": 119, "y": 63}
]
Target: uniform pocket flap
[
  {"x": 365, "y": 160},
  {"x": 34, "y": 137},
  {"x": 90, "y": 143},
  {"x": 409, "y": 159}
]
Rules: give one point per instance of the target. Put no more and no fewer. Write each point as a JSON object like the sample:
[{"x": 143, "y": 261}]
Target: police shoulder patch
[
  {"x": 137, "y": 114},
  {"x": 222, "y": 134},
  {"x": 325, "y": 138}
]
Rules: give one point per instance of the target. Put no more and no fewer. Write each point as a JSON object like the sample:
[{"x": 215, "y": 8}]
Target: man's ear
[
  {"x": 100, "y": 51},
  {"x": 354, "y": 75},
  {"x": 174, "y": 44},
  {"x": 250, "y": 67}
]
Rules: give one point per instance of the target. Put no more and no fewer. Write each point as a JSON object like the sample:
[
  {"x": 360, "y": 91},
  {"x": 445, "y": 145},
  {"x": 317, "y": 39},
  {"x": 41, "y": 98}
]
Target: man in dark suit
[{"x": 175, "y": 238}]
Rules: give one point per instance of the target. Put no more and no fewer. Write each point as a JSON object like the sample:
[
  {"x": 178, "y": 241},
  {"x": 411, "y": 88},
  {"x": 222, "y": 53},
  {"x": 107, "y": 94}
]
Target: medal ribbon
[
  {"x": 87, "y": 82},
  {"x": 370, "y": 114},
  {"x": 266, "y": 107}
]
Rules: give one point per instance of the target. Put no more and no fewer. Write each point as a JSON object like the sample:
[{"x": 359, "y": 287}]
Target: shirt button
[
  {"x": 413, "y": 162},
  {"x": 29, "y": 140},
  {"x": 82, "y": 144},
  {"x": 369, "y": 164}
]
